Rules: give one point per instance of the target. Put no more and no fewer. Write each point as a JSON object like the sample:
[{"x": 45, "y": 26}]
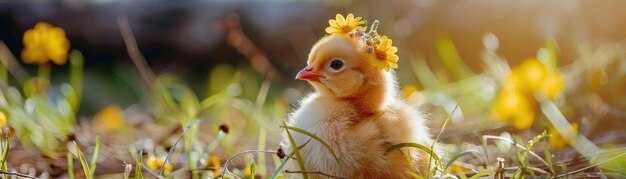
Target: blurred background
[{"x": 452, "y": 53}]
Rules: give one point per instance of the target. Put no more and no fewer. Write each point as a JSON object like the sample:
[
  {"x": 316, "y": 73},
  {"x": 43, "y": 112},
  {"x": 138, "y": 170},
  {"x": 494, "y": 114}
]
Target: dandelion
[
  {"x": 385, "y": 55},
  {"x": 109, "y": 118},
  {"x": 557, "y": 141},
  {"x": 343, "y": 26},
  {"x": 44, "y": 43},
  {"x": 155, "y": 163}
]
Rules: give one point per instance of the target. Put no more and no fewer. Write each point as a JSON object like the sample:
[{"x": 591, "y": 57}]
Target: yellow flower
[
  {"x": 531, "y": 74},
  {"x": 515, "y": 107},
  {"x": 3, "y": 119},
  {"x": 385, "y": 55},
  {"x": 557, "y": 141},
  {"x": 552, "y": 85},
  {"x": 155, "y": 163},
  {"x": 516, "y": 102},
  {"x": 343, "y": 26},
  {"x": 109, "y": 118},
  {"x": 213, "y": 163},
  {"x": 408, "y": 90},
  {"x": 44, "y": 43}
]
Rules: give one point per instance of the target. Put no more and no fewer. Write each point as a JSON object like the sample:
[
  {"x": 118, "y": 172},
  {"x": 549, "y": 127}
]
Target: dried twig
[
  {"x": 315, "y": 172},
  {"x": 17, "y": 174},
  {"x": 225, "y": 169},
  {"x": 244, "y": 45},
  {"x": 176, "y": 143},
  {"x": 133, "y": 51}
]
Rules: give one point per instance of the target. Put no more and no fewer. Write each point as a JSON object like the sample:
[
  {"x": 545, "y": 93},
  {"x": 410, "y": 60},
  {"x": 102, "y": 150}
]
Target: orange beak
[{"x": 308, "y": 74}]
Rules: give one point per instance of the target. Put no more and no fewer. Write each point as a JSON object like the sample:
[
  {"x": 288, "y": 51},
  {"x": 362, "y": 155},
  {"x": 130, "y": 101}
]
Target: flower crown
[{"x": 383, "y": 54}]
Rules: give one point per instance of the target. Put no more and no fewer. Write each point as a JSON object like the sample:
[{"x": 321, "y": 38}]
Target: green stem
[
  {"x": 44, "y": 71},
  {"x": 76, "y": 78},
  {"x": 190, "y": 140}
]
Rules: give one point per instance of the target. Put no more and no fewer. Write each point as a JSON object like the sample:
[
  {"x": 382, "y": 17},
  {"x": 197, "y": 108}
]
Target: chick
[{"x": 356, "y": 111}]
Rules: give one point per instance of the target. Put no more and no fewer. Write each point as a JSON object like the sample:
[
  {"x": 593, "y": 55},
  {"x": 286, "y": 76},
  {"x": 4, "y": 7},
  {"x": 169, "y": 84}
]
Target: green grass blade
[
  {"x": 6, "y": 142},
  {"x": 414, "y": 145},
  {"x": 70, "y": 165},
  {"x": 486, "y": 137},
  {"x": 451, "y": 58},
  {"x": 548, "y": 156},
  {"x": 5, "y": 150},
  {"x": 252, "y": 169},
  {"x": 443, "y": 127},
  {"x": 94, "y": 156},
  {"x": 482, "y": 173},
  {"x": 583, "y": 145},
  {"x": 83, "y": 161},
  {"x": 138, "y": 174},
  {"x": 319, "y": 140},
  {"x": 459, "y": 155},
  {"x": 176, "y": 143},
  {"x": 445, "y": 123},
  {"x": 296, "y": 150}
]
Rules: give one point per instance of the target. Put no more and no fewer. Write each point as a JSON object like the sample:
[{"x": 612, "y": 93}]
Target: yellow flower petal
[
  {"x": 340, "y": 19},
  {"x": 343, "y": 26},
  {"x": 155, "y": 163},
  {"x": 109, "y": 118},
  {"x": 214, "y": 163},
  {"x": 392, "y": 49},
  {"x": 3, "y": 119},
  {"x": 350, "y": 19}
]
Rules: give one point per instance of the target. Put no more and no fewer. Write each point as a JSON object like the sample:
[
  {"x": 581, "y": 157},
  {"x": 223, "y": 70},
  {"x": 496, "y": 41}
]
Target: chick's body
[{"x": 355, "y": 110}]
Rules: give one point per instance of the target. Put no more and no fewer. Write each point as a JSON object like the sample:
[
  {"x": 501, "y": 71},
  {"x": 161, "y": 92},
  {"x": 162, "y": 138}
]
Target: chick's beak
[{"x": 308, "y": 74}]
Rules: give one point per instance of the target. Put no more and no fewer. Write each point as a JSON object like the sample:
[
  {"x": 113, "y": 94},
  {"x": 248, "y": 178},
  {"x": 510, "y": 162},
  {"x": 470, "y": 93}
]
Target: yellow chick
[{"x": 356, "y": 110}]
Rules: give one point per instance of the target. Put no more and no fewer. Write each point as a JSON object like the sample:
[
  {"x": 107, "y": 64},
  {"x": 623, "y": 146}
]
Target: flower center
[
  {"x": 346, "y": 28},
  {"x": 381, "y": 55}
]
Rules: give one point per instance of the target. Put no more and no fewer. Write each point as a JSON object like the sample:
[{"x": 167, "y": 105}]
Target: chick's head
[{"x": 338, "y": 67}]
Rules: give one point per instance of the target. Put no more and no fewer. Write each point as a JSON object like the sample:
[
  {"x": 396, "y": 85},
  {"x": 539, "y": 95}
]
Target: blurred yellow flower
[
  {"x": 248, "y": 170},
  {"x": 109, "y": 118},
  {"x": 3, "y": 119},
  {"x": 514, "y": 107},
  {"x": 531, "y": 74},
  {"x": 343, "y": 26},
  {"x": 408, "y": 90},
  {"x": 552, "y": 85},
  {"x": 156, "y": 163},
  {"x": 557, "y": 141},
  {"x": 213, "y": 163},
  {"x": 44, "y": 43},
  {"x": 385, "y": 55},
  {"x": 516, "y": 102}
]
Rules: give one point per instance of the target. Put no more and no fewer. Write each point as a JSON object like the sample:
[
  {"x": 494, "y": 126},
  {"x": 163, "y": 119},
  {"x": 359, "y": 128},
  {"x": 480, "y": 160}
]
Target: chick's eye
[{"x": 336, "y": 64}]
